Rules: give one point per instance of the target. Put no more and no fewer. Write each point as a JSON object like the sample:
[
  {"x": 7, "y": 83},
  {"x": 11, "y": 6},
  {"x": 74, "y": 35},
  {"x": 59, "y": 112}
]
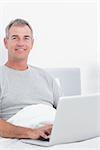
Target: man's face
[{"x": 19, "y": 43}]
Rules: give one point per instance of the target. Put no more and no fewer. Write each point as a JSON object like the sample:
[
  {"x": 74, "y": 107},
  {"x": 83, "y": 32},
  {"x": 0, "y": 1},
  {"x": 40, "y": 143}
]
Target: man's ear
[
  {"x": 32, "y": 42},
  {"x": 5, "y": 42}
]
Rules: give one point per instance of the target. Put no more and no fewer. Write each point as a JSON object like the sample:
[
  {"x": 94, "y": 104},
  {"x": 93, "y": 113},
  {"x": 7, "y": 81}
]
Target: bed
[
  {"x": 92, "y": 144},
  {"x": 70, "y": 81}
]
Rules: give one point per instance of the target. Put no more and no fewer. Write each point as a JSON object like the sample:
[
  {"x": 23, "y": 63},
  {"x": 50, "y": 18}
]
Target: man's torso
[{"x": 21, "y": 88}]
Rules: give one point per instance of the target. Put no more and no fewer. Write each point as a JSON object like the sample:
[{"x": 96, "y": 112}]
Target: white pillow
[{"x": 34, "y": 116}]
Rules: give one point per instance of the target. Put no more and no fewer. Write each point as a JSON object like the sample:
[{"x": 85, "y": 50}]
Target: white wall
[
  {"x": 65, "y": 35},
  {"x": 98, "y": 41}
]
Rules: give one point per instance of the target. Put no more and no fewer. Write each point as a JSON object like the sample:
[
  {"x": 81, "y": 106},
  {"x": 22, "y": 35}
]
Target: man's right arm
[{"x": 8, "y": 130}]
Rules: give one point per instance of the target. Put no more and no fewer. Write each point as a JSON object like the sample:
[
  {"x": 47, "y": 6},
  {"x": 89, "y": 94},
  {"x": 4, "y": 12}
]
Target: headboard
[{"x": 69, "y": 79}]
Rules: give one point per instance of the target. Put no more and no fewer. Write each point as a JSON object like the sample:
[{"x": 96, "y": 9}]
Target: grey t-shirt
[{"x": 22, "y": 88}]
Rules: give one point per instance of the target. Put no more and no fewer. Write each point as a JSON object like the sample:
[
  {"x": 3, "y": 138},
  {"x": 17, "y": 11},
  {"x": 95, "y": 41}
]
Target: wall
[
  {"x": 65, "y": 35},
  {"x": 98, "y": 42}
]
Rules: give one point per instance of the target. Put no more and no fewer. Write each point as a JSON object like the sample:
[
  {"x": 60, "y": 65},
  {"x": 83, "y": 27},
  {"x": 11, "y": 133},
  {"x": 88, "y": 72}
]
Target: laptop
[{"x": 76, "y": 120}]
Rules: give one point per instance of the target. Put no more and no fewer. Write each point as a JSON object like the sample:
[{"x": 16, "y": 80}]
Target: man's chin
[{"x": 20, "y": 59}]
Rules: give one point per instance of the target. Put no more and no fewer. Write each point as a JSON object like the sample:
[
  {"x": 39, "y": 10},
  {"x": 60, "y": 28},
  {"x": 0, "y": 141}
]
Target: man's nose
[{"x": 20, "y": 42}]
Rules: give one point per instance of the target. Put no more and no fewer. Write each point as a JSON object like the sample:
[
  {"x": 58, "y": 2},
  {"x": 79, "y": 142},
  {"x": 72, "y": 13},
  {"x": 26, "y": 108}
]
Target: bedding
[
  {"x": 34, "y": 116},
  {"x": 39, "y": 119},
  {"x": 14, "y": 144}
]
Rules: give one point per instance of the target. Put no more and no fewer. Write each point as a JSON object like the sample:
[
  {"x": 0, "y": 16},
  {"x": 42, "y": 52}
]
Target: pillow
[{"x": 34, "y": 116}]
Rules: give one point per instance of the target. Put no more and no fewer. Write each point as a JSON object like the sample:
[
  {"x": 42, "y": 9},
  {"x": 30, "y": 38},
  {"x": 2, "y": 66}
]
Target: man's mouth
[{"x": 20, "y": 50}]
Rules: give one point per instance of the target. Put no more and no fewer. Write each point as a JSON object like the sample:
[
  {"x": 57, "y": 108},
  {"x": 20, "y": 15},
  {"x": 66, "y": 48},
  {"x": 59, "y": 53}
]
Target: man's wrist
[{"x": 29, "y": 133}]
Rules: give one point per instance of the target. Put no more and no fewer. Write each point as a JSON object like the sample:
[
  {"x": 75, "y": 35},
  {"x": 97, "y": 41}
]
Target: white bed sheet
[{"x": 14, "y": 144}]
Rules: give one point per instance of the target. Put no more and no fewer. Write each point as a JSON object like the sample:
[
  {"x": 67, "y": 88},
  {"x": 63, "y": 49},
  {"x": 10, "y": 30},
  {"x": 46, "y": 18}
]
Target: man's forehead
[{"x": 20, "y": 29}]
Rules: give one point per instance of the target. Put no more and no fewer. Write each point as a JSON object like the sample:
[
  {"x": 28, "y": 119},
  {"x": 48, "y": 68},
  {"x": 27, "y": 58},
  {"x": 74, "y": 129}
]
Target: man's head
[{"x": 18, "y": 40}]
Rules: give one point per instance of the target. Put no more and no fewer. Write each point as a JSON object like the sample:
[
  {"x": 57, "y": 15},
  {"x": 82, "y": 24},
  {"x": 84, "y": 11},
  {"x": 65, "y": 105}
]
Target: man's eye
[
  {"x": 13, "y": 38},
  {"x": 27, "y": 38}
]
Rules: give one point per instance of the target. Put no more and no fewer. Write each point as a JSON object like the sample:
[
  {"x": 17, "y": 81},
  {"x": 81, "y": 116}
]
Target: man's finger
[{"x": 43, "y": 135}]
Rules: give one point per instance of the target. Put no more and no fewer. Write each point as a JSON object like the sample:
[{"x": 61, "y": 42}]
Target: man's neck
[{"x": 17, "y": 66}]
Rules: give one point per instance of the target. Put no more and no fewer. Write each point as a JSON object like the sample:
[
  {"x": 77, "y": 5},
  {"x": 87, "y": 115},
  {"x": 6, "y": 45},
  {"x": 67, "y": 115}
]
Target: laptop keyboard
[{"x": 43, "y": 139}]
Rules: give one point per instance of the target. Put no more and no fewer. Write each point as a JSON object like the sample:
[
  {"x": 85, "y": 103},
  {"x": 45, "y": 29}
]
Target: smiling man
[
  {"x": 19, "y": 41},
  {"x": 22, "y": 84}
]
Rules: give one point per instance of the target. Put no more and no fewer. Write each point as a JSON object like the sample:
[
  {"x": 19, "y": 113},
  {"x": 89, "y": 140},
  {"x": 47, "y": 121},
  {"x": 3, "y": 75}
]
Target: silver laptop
[{"x": 77, "y": 119}]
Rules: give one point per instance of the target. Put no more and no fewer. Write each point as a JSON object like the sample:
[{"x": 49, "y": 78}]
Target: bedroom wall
[{"x": 65, "y": 35}]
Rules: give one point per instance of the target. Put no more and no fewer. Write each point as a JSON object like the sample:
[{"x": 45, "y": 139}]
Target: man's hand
[
  {"x": 42, "y": 132},
  {"x": 8, "y": 130}
]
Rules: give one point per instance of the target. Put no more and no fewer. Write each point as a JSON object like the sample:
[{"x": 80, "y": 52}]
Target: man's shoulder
[
  {"x": 35, "y": 68},
  {"x": 41, "y": 71},
  {"x": 1, "y": 68},
  {"x": 1, "y": 72}
]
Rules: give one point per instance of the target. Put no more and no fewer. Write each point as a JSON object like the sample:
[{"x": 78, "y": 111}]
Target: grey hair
[{"x": 17, "y": 22}]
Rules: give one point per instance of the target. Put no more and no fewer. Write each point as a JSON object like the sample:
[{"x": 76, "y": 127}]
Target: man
[{"x": 21, "y": 84}]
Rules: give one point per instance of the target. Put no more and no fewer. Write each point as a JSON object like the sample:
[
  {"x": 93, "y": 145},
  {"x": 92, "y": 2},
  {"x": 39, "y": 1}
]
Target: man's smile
[{"x": 20, "y": 50}]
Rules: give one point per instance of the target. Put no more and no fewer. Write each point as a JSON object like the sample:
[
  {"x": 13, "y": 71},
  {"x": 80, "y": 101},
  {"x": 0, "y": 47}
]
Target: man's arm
[{"x": 8, "y": 130}]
